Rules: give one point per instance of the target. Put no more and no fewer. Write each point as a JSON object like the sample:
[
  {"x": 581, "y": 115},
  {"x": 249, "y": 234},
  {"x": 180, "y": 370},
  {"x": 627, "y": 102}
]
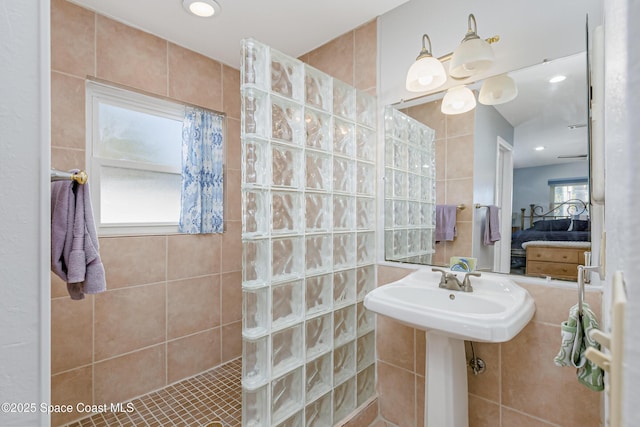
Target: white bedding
[{"x": 557, "y": 244}]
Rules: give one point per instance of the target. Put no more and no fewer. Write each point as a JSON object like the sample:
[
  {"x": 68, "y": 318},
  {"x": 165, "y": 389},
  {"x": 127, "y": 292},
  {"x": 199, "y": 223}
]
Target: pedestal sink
[{"x": 496, "y": 311}]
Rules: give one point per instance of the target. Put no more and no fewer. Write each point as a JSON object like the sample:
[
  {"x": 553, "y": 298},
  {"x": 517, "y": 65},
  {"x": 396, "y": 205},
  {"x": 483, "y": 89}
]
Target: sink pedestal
[
  {"x": 496, "y": 311},
  {"x": 445, "y": 398}
]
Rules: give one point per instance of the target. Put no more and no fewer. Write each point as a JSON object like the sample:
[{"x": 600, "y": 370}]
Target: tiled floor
[{"x": 210, "y": 399}]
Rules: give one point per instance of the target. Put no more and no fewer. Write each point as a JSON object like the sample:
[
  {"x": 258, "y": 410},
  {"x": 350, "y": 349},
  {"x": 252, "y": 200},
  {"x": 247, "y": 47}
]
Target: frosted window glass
[
  {"x": 135, "y": 196},
  {"x": 143, "y": 137}
]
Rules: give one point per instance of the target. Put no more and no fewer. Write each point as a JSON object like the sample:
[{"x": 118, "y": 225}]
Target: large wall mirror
[{"x": 527, "y": 157}]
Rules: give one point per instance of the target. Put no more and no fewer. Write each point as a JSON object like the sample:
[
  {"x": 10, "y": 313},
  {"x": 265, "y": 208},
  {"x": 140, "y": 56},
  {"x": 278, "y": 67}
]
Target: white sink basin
[{"x": 495, "y": 311}]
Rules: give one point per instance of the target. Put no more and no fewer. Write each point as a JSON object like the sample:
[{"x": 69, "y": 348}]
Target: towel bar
[
  {"x": 478, "y": 206},
  {"x": 80, "y": 177}
]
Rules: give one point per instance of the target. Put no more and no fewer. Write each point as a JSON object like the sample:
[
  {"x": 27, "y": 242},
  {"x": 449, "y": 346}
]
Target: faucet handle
[
  {"x": 466, "y": 283},
  {"x": 443, "y": 279}
]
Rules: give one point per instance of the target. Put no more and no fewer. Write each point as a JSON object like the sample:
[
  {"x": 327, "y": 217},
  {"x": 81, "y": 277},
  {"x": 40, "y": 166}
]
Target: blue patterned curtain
[{"x": 202, "y": 184}]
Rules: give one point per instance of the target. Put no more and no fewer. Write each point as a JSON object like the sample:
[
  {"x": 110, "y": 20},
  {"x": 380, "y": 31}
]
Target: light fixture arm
[
  {"x": 424, "y": 52},
  {"x": 472, "y": 31},
  {"x": 426, "y": 72}
]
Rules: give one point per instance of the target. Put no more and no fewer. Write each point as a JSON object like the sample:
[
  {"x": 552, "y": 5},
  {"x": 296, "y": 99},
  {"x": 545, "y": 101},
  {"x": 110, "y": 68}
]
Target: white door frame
[
  {"x": 25, "y": 220},
  {"x": 504, "y": 199}
]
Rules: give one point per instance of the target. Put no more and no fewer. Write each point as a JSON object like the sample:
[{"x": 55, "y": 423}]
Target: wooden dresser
[{"x": 557, "y": 262}]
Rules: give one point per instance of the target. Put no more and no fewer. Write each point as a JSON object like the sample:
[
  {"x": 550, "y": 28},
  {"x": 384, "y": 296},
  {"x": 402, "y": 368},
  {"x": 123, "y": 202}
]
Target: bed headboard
[{"x": 573, "y": 207}]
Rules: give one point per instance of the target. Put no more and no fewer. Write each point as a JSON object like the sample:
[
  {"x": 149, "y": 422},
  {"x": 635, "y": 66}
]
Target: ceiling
[
  {"x": 290, "y": 26},
  {"x": 543, "y": 112}
]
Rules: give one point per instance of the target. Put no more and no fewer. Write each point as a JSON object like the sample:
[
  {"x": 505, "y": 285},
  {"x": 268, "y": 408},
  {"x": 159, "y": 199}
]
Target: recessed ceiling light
[
  {"x": 557, "y": 79},
  {"x": 201, "y": 8},
  {"x": 539, "y": 148}
]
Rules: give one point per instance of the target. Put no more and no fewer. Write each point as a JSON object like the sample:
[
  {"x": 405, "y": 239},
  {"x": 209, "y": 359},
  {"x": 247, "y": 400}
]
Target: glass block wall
[
  {"x": 308, "y": 195},
  {"x": 410, "y": 189}
]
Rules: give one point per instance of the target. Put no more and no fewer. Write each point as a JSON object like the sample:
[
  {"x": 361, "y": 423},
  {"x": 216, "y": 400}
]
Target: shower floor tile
[{"x": 210, "y": 399}]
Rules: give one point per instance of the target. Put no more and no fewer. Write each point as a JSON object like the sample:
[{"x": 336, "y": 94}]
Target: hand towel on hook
[
  {"x": 446, "y": 222},
  {"x": 575, "y": 340},
  {"x": 491, "y": 226},
  {"x": 74, "y": 241}
]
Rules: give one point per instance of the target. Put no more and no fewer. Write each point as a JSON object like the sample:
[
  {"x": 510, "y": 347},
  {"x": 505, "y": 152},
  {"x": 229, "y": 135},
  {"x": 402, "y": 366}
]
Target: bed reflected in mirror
[{"x": 552, "y": 243}]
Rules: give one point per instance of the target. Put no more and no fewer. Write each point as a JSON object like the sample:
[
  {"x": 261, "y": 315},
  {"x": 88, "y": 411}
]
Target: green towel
[{"x": 575, "y": 340}]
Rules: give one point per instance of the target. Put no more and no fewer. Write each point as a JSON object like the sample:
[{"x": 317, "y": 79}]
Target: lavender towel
[
  {"x": 74, "y": 241},
  {"x": 446, "y": 222},
  {"x": 492, "y": 226}
]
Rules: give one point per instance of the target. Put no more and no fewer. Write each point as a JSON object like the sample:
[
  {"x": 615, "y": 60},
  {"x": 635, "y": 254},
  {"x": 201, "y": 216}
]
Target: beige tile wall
[
  {"x": 454, "y": 171},
  {"x": 521, "y": 385},
  {"x": 173, "y": 305},
  {"x": 351, "y": 57},
  {"x": 365, "y": 417}
]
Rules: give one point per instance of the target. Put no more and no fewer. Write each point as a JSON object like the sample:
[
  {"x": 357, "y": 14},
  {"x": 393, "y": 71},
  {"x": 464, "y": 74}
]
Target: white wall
[
  {"x": 489, "y": 124},
  {"x": 622, "y": 130},
  {"x": 24, "y": 209}
]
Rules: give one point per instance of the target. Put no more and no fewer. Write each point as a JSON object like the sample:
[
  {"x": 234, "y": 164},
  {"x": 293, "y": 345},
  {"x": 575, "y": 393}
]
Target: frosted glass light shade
[
  {"x": 425, "y": 74},
  {"x": 458, "y": 100},
  {"x": 498, "y": 90},
  {"x": 471, "y": 57}
]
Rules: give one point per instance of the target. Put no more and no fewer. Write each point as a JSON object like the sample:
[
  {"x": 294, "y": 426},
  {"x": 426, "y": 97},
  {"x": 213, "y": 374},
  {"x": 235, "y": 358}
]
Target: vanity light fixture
[
  {"x": 540, "y": 148},
  {"x": 497, "y": 90},
  {"x": 474, "y": 54},
  {"x": 426, "y": 72},
  {"x": 458, "y": 100},
  {"x": 557, "y": 79},
  {"x": 201, "y": 8}
]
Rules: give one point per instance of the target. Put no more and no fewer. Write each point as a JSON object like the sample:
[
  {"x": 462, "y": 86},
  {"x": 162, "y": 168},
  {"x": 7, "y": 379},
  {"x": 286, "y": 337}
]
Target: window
[
  {"x": 134, "y": 146},
  {"x": 562, "y": 190}
]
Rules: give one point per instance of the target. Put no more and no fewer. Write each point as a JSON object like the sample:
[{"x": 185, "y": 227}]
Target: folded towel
[
  {"x": 575, "y": 340},
  {"x": 74, "y": 241},
  {"x": 492, "y": 226},
  {"x": 446, "y": 222}
]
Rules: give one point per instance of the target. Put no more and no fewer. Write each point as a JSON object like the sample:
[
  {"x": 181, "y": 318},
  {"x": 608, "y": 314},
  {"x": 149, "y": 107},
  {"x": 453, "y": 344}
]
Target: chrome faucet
[
  {"x": 450, "y": 281},
  {"x": 466, "y": 283}
]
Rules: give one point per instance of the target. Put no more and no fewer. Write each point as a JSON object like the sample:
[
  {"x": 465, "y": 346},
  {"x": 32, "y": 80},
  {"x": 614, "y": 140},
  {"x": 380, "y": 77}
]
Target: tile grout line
[
  {"x": 93, "y": 302},
  {"x": 166, "y": 309}
]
